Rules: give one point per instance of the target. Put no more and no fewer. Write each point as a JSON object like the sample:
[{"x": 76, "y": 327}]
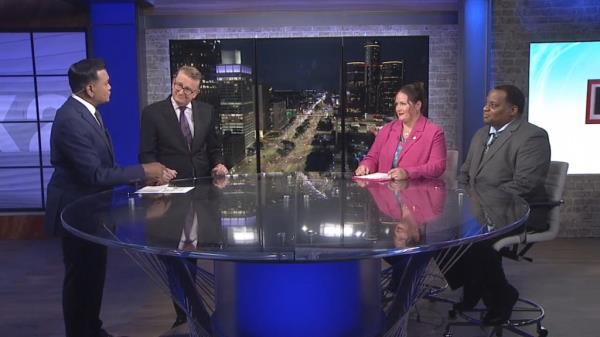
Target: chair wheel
[{"x": 542, "y": 332}]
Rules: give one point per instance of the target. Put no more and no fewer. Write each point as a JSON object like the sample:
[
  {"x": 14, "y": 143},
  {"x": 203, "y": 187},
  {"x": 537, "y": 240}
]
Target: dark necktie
[
  {"x": 185, "y": 127},
  {"x": 492, "y": 138},
  {"x": 99, "y": 118}
]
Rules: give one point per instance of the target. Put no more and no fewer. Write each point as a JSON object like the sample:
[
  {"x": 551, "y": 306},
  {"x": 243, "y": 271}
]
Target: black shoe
[
  {"x": 464, "y": 306},
  {"x": 494, "y": 317},
  {"x": 500, "y": 314},
  {"x": 471, "y": 296},
  {"x": 179, "y": 321}
]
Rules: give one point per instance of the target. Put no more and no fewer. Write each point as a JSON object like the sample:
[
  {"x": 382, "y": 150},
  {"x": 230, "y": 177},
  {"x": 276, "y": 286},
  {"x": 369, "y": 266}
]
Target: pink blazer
[{"x": 423, "y": 154}]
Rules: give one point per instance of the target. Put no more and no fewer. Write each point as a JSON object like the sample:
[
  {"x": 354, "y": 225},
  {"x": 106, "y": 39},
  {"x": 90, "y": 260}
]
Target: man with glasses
[{"x": 179, "y": 132}]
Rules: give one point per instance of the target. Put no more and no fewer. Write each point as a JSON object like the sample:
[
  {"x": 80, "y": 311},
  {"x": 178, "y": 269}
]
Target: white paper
[
  {"x": 378, "y": 176},
  {"x": 164, "y": 189}
]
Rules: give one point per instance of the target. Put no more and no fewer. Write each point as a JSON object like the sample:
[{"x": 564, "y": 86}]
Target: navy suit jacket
[
  {"x": 161, "y": 139},
  {"x": 82, "y": 155}
]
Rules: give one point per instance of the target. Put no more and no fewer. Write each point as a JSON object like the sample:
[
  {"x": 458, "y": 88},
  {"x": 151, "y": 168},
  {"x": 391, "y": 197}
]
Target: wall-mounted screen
[
  {"x": 564, "y": 95},
  {"x": 33, "y": 85}
]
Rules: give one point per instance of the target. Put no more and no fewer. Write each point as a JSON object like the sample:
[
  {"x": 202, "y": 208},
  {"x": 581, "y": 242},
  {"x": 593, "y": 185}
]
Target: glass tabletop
[{"x": 295, "y": 217}]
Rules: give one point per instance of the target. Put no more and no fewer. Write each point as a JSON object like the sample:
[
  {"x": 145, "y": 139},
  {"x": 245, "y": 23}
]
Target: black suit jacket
[
  {"x": 162, "y": 140},
  {"x": 82, "y": 155}
]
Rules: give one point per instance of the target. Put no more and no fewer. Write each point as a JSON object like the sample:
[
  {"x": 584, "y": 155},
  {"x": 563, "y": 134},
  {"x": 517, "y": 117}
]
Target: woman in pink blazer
[{"x": 410, "y": 147}]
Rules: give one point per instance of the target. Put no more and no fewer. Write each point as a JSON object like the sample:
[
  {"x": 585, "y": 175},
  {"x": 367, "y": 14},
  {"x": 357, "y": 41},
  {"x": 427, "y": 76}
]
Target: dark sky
[
  {"x": 295, "y": 64},
  {"x": 314, "y": 63}
]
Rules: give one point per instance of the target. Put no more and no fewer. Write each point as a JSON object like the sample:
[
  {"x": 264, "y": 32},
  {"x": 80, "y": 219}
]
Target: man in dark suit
[
  {"x": 83, "y": 160},
  {"x": 189, "y": 145},
  {"x": 187, "y": 222},
  {"x": 180, "y": 133},
  {"x": 512, "y": 155}
]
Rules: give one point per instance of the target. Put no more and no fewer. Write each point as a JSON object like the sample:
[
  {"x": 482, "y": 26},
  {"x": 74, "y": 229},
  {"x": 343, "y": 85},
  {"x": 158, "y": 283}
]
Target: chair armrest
[
  {"x": 515, "y": 239},
  {"x": 546, "y": 204}
]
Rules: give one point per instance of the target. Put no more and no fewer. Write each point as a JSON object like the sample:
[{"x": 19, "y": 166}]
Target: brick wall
[
  {"x": 443, "y": 55},
  {"x": 515, "y": 24}
]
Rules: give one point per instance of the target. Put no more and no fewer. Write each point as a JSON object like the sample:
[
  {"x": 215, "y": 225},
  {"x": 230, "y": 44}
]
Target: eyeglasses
[{"x": 187, "y": 91}]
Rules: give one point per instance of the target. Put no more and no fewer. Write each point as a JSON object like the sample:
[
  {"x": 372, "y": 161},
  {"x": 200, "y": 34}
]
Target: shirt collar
[
  {"x": 494, "y": 131},
  {"x": 87, "y": 104},
  {"x": 176, "y": 106}
]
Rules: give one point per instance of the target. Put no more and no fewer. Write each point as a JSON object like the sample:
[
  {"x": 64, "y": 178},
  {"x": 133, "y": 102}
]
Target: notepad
[
  {"x": 379, "y": 176},
  {"x": 164, "y": 189}
]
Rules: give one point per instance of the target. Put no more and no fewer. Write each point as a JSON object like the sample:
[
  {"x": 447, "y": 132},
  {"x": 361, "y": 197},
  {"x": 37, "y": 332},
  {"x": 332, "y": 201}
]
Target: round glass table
[{"x": 295, "y": 254}]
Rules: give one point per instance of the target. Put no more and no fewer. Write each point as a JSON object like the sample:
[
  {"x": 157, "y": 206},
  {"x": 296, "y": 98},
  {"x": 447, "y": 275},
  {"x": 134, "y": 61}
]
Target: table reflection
[{"x": 294, "y": 248}]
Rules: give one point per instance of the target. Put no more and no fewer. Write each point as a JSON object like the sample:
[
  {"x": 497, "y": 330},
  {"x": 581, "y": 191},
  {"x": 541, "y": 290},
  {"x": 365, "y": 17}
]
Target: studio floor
[{"x": 564, "y": 277}]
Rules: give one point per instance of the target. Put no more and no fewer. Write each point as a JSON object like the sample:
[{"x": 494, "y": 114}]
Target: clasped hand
[
  {"x": 158, "y": 174},
  {"x": 398, "y": 173}
]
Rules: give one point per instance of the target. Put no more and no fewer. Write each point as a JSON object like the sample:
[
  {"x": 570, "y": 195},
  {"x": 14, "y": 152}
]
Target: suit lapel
[
  {"x": 198, "y": 122},
  {"x": 110, "y": 145},
  {"x": 91, "y": 120},
  {"x": 414, "y": 136},
  {"x": 503, "y": 137},
  {"x": 479, "y": 140}
]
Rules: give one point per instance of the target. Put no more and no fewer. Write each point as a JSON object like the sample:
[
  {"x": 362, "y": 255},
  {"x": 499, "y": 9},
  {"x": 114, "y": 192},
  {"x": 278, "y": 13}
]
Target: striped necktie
[
  {"x": 185, "y": 127},
  {"x": 492, "y": 138}
]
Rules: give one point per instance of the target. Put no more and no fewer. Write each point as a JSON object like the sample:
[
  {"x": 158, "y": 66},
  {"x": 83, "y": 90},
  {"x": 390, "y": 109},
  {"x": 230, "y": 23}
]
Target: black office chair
[{"x": 515, "y": 247}]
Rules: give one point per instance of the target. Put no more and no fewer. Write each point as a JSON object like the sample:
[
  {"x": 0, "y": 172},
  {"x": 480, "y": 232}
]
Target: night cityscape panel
[
  {"x": 376, "y": 68},
  {"x": 292, "y": 88}
]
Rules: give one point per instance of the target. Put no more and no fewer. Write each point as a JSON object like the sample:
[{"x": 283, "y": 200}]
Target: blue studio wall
[
  {"x": 476, "y": 22},
  {"x": 114, "y": 39}
]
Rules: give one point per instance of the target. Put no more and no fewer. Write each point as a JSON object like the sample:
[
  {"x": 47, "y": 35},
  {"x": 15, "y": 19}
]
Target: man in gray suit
[
  {"x": 508, "y": 152},
  {"x": 512, "y": 155}
]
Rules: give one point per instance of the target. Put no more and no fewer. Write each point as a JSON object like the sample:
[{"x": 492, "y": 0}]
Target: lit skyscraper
[
  {"x": 264, "y": 110},
  {"x": 355, "y": 88},
  {"x": 392, "y": 78},
  {"x": 234, "y": 83},
  {"x": 372, "y": 76}
]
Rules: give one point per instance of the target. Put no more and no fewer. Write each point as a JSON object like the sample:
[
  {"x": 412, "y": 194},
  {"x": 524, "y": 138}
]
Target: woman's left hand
[{"x": 398, "y": 173}]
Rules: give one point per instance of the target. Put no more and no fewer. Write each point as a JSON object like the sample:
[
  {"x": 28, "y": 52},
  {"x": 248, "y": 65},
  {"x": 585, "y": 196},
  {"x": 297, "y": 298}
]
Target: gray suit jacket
[{"x": 517, "y": 162}]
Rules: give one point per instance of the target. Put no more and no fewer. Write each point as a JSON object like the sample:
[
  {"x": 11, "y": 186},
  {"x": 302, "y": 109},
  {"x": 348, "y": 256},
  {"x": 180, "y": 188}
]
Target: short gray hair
[{"x": 190, "y": 71}]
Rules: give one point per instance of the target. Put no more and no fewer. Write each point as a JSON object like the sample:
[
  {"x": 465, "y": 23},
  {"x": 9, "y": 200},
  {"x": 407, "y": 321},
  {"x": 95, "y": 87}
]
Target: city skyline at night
[{"x": 286, "y": 93}]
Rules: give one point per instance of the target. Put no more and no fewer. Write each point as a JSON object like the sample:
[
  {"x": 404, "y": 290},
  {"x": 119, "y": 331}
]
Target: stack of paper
[
  {"x": 164, "y": 189},
  {"x": 379, "y": 176}
]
